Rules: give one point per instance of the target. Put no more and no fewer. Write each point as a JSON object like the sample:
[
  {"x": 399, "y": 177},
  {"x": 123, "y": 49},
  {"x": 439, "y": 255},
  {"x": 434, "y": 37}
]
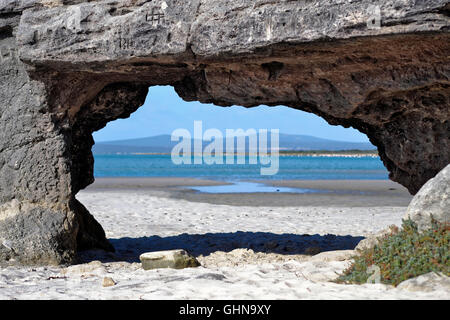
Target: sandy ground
[
  {"x": 335, "y": 193},
  {"x": 246, "y": 252}
]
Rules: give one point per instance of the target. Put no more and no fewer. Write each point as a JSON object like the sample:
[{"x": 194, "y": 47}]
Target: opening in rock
[{"x": 140, "y": 194}]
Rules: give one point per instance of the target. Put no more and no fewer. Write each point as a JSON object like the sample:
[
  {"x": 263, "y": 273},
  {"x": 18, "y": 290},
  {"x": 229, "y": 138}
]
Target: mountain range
[{"x": 287, "y": 142}]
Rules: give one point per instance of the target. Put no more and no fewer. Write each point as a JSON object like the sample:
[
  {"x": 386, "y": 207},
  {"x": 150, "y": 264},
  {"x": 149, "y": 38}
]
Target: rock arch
[{"x": 70, "y": 66}]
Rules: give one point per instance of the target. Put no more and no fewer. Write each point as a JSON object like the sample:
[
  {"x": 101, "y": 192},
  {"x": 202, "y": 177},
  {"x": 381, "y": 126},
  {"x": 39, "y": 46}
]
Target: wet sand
[{"x": 333, "y": 193}]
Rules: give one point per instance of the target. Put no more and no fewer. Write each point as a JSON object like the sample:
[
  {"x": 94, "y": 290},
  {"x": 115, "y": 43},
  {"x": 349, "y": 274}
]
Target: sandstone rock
[
  {"x": 175, "y": 259},
  {"x": 94, "y": 268},
  {"x": 432, "y": 200},
  {"x": 67, "y": 68},
  {"x": 373, "y": 240},
  {"x": 427, "y": 282},
  {"x": 108, "y": 282}
]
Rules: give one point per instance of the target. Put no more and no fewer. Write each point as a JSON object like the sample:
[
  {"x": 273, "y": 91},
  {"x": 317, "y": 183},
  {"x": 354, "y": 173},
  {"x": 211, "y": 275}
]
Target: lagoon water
[
  {"x": 290, "y": 168},
  {"x": 250, "y": 187}
]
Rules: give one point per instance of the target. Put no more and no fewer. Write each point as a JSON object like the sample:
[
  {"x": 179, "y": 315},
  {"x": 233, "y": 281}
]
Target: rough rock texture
[
  {"x": 432, "y": 200},
  {"x": 175, "y": 259},
  {"x": 429, "y": 282},
  {"x": 108, "y": 282},
  {"x": 337, "y": 255},
  {"x": 70, "y": 66},
  {"x": 374, "y": 239}
]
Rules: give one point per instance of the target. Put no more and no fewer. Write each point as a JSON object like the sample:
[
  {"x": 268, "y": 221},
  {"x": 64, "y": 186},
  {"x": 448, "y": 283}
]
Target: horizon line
[{"x": 281, "y": 133}]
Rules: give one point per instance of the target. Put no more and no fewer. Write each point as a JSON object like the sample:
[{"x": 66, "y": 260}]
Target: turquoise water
[
  {"x": 291, "y": 167},
  {"x": 250, "y": 187}
]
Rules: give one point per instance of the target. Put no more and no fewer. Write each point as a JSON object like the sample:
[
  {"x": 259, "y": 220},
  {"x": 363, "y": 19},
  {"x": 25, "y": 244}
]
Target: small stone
[
  {"x": 313, "y": 250},
  {"x": 86, "y": 270},
  {"x": 7, "y": 244},
  {"x": 108, "y": 282},
  {"x": 175, "y": 259},
  {"x": 429, "y": 282}
]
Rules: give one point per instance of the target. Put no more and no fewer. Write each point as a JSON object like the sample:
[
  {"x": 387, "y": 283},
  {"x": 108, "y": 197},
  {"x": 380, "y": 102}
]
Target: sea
[{"x": 291, "y": 167}]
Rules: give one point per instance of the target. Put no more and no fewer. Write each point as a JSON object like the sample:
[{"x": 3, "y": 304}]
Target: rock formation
[
  {"x": 175, "y": 259},
  {"x": 433, "y": 199},
  {"x": 70, "y": 66}
]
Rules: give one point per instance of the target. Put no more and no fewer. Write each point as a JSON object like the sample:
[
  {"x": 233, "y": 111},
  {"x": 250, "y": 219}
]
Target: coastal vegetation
[{"x": 403, "y": 254}]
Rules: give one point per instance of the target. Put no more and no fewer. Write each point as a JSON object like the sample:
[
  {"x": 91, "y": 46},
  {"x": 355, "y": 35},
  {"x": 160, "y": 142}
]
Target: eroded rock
[
  {"x": 108, "y": 282},
  {"x": 69, "y": 67},
  {"x": 428, "y": 282},
  {"x": 374, "y": 239},
  {"x": 94, "y": 268},
  {"x": 175, "y": 259},
  {"x": 433, "y": 200}
]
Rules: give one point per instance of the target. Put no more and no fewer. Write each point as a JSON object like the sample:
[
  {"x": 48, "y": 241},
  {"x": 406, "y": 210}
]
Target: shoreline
[
  {"x": 337, "y": 193},
  {"x": 281, "y": 154}
]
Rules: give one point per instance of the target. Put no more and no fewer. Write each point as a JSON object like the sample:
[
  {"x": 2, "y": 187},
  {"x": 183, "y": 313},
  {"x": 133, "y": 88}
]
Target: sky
[{"x": 164, "y": 111}]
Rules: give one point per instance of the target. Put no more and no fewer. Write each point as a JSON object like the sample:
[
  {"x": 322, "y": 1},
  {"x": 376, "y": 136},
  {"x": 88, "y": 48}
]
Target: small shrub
[{"x": 404, "y": 254}]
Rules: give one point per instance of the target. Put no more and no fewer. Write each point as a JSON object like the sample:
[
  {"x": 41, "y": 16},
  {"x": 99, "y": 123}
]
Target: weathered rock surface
[
  {"x": 175, "y": 259},
  {"x": 108, "y": 282},
  {"x": 372, "y": 240},
  {"x": 338, "y": 255},
  {"x": 93, "y": 268},
  {"x": 429, "y": 282},
  {"x": 70, "y": 66},
  {"x": 432, "y": 200}
]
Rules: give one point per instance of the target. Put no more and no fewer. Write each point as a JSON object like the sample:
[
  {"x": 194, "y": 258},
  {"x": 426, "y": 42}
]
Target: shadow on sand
[{"x": 129, "y": 249}]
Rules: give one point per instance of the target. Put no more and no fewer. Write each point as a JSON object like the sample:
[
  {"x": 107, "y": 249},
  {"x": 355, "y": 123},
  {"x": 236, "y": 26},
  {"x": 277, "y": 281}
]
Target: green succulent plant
[{"x": 403, "y": 254}]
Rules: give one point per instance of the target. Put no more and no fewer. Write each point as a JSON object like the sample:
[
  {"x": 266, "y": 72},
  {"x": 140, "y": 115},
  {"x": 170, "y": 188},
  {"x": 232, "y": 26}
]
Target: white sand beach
[{"x": 246, "y": 252}]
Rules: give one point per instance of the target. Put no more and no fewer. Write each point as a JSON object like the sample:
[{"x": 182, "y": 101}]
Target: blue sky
[{"x": 164, "y": 111}]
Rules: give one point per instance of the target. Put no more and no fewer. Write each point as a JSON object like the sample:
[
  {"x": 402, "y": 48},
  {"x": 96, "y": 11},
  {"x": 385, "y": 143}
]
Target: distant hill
[{"x": 288, "y": 142}]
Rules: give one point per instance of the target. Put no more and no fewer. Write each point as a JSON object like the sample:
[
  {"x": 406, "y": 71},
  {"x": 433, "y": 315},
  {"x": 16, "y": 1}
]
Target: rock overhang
[{"x": 104, "y": 31}]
